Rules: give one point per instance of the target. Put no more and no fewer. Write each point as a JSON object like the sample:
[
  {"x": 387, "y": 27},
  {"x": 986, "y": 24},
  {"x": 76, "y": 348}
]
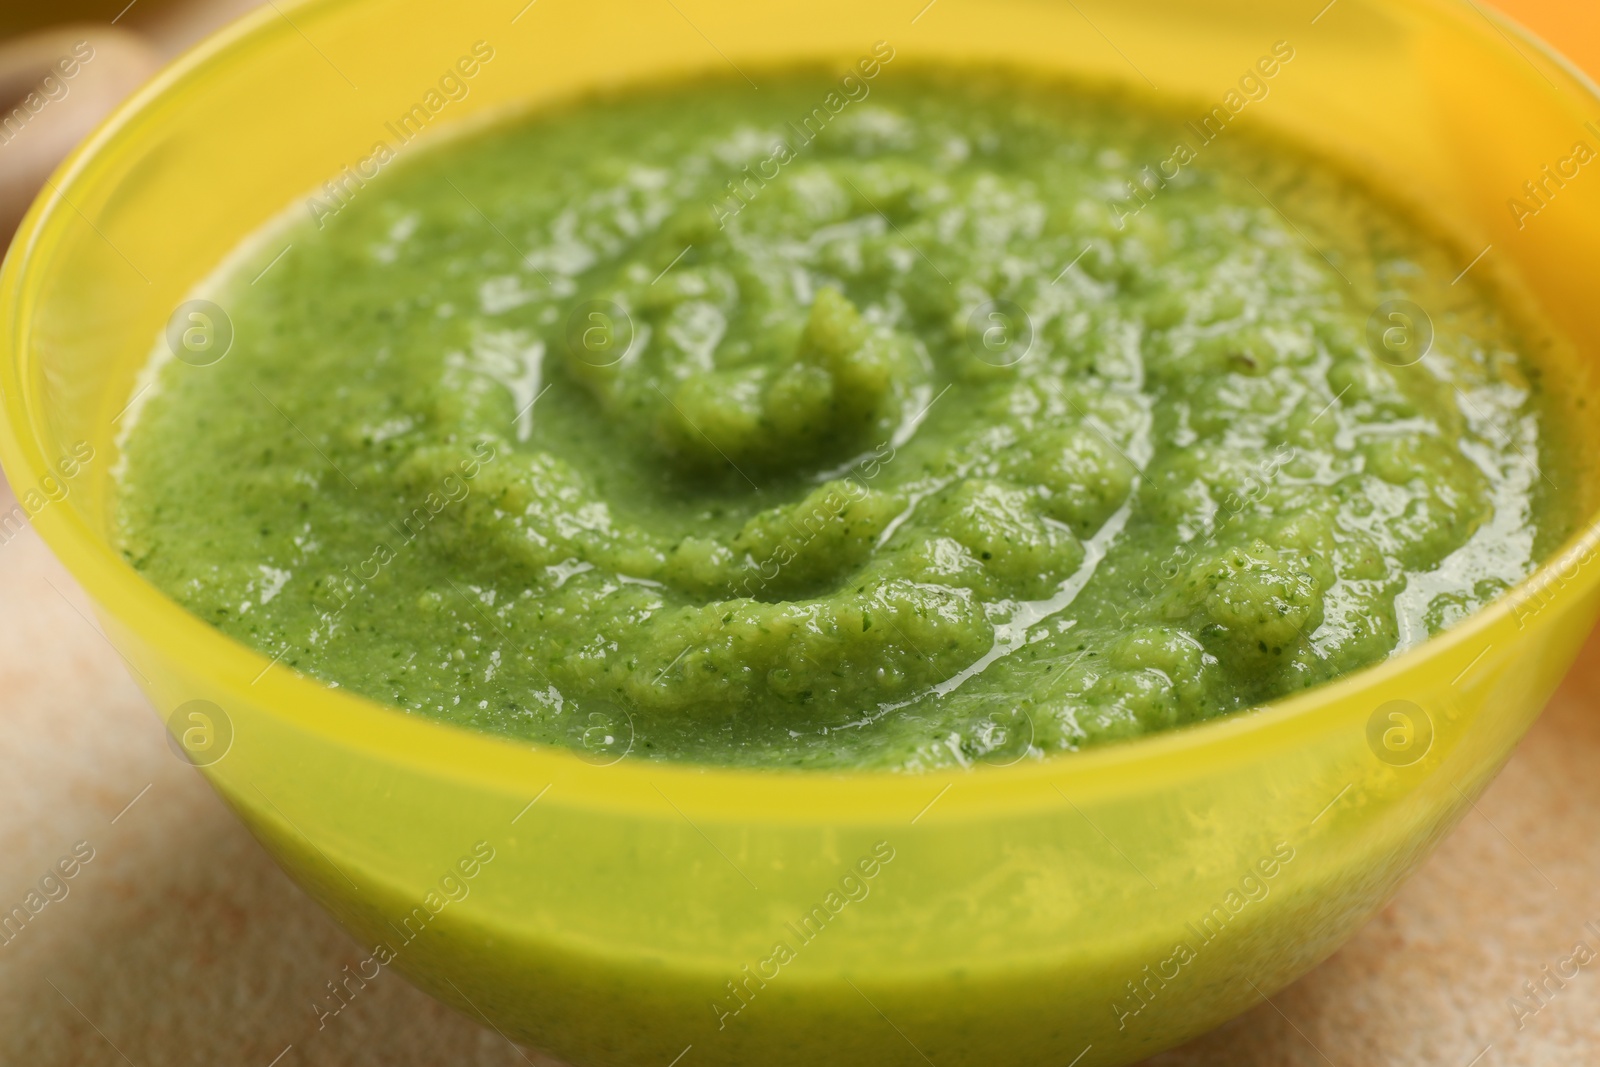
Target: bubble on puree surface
[{"x": 966, "y": 420}]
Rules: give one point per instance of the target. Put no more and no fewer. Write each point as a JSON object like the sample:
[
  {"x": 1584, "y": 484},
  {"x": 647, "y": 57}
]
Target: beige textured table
[{"x": 181, "y": 943}]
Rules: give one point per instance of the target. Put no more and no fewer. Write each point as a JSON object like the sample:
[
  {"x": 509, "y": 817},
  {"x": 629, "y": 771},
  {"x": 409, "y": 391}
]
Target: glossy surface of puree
[{"x": 887, "y": 428}]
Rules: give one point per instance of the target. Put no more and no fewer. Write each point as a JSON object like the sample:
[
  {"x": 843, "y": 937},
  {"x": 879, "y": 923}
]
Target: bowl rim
[{"x": 517, "y": 768}]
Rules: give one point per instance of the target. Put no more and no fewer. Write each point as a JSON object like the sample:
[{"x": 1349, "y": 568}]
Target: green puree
[{"x": 921, "y": 441}]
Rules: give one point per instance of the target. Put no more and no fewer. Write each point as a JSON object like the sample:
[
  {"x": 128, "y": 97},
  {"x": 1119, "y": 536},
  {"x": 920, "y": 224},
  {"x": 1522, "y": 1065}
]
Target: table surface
[{"x": 181, "y": 942}]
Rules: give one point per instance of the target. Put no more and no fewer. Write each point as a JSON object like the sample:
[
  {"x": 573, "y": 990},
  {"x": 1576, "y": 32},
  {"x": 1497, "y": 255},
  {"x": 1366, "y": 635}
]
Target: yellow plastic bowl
[{"x": 1115, "y": 901}]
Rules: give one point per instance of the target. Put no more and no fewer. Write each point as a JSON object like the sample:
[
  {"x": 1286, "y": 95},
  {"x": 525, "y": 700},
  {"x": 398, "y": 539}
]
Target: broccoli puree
[{"x": 731, "y": 426}]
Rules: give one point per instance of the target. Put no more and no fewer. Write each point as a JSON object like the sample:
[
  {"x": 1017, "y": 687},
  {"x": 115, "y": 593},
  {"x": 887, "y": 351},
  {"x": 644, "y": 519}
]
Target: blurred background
[{"x": 181, "y": 943}]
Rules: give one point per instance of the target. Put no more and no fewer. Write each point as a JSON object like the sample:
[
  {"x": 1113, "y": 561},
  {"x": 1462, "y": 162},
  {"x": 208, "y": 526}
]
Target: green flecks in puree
[{"x": 694, "y": 425}]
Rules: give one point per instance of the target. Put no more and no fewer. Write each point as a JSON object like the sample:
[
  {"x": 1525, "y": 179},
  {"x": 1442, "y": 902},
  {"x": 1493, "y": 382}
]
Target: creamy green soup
[{"x": 908, "y": 420}]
